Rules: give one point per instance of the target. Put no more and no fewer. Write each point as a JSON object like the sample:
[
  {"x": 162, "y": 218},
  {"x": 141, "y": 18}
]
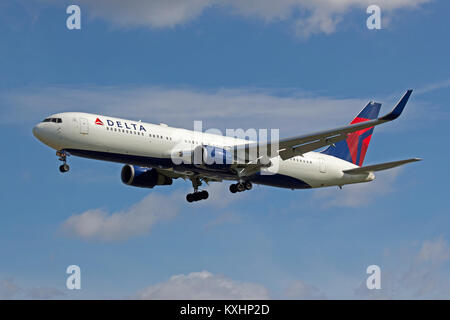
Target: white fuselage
[{"x": 151, "y": 145}]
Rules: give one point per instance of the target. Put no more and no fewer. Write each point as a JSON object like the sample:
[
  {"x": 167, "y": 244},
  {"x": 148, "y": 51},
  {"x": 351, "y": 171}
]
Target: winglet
[{"x": 398, "y": 109}]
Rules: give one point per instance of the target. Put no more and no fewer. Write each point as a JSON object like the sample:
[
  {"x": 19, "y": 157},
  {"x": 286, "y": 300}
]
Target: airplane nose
[{"x": 37, "y": 131}]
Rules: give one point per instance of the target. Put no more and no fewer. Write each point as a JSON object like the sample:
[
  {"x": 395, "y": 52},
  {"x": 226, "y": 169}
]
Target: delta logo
[
  {"x": 98, "y": 122},
  {"x": 125, "y": 125}
]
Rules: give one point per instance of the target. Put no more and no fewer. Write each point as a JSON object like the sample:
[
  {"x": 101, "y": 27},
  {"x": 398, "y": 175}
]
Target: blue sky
[{"x": 298, "y": 66}]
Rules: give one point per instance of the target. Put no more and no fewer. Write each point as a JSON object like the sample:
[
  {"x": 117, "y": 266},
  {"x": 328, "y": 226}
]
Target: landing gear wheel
[
  {"x": 240, "y": 187},
  {"x": 197, "y": 196},
  {"x": 64, "y": 168},
  {"x": 233, "y": 188},
  {"x": 248, "y": 185},
  {"x": 204, "y": 195}
]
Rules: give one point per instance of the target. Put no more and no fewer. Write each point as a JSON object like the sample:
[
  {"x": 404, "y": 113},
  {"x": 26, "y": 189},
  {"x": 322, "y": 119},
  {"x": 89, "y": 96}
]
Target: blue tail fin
[{"x": 354, "y": 148}]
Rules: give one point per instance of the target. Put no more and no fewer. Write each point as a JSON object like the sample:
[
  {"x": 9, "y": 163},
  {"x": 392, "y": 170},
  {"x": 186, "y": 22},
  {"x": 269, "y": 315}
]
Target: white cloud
[
  {"x": 203, "y": 286},
  {"x": 97, "y": 224},
  {"x": 44, "y": 293},
  {"x": 151, "y": 13},
  {"x": 434, "y": 251},
  {"x": 421, "y": 275},
  {"x": 306, "y": 16},
  {"x": 294, "y": 111},
  {"x": 9, "y": 289},
  {"x": 301, "y": 290},
  {"x": 357, "y": 195},
  {"x": 314, "y": 16},
  {"x": 433, "y": 87},
  {"x": 424, "y": 278},
  {"x": 226, "y": 217}
]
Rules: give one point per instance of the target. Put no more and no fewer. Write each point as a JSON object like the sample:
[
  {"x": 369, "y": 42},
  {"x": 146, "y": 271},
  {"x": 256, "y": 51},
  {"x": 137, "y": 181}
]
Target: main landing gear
[
  {"x": 241, "y": 186},
  {"x": 197, "y": 195},
  {"x": 63, "y": 157}
]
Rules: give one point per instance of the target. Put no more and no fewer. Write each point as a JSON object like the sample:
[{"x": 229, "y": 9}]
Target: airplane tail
[{"x": 354, "y": 148}]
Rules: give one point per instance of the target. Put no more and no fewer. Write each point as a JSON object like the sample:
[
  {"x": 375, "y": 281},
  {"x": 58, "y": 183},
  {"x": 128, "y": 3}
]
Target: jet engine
[{"x": 143, "y": 177}]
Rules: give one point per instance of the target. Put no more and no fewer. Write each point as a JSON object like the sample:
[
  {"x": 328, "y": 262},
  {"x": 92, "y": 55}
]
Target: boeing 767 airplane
[{"x": 155, "y": 154}]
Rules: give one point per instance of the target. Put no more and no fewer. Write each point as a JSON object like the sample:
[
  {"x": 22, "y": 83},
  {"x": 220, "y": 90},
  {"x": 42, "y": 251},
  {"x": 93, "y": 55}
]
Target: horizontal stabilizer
[{"x": 380, "y": 167}]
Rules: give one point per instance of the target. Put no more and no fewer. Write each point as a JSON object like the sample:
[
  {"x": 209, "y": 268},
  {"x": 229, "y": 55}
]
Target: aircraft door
[
  {"x": 84, "y": 126},
  {"x": 322, "y": 166}
]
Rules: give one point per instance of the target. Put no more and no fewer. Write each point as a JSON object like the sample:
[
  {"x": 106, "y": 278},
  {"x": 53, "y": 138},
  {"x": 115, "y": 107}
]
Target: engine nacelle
[
  {"x": 143, "y": 177},
  {"x": 210, "y": 157}
]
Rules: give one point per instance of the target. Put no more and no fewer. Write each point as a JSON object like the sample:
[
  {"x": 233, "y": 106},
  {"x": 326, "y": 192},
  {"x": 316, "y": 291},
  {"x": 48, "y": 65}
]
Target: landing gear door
[{"x": 84, "y": 126}]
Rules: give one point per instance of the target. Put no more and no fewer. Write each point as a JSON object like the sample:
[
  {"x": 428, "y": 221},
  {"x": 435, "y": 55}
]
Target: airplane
[{"x": 147, "y": 152}]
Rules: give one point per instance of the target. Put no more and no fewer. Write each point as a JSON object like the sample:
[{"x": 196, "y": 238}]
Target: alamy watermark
[
  {"x": 374, "y": 280},
  {"x": 374, "y": 20},
  {"x": 237, "y": 147},
  {"x": 73, "y": 21},
  {"x": 73, "y": 281}
]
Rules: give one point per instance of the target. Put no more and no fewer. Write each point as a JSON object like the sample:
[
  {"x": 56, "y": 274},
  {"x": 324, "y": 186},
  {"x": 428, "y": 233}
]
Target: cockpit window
[{"x": 55, "y": 120}]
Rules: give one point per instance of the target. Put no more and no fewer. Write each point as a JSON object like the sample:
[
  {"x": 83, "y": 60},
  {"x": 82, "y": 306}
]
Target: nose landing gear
[
  {"x": 63, "y": 157},
  {"x": 241, "y": 186}
]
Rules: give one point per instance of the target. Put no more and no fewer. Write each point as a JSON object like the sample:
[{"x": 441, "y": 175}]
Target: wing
[
  {"x": 380, "y": 167},
  {"x": 175, "y": 174},
  {"x": 294, "y": 146}
]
